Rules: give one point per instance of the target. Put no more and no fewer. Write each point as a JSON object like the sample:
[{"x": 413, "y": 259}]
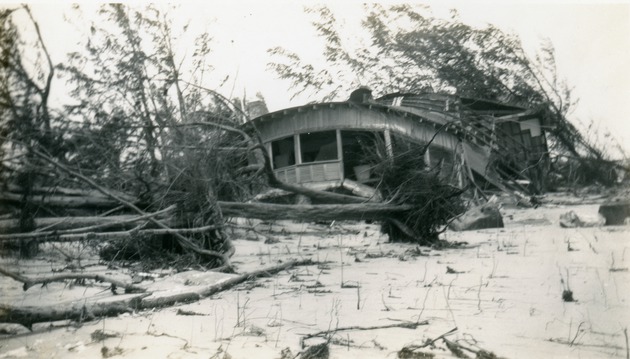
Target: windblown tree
[
  {"x": 26, "y": 121},
  {"x": 405, "y": 48},
  {"x": 178, "y": 141},
  {"x": 142, "y": 132}
]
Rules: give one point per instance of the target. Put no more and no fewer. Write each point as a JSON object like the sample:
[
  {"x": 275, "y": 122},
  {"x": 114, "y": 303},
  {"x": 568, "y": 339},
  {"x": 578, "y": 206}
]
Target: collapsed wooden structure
[{"x": 471, "y": 141}]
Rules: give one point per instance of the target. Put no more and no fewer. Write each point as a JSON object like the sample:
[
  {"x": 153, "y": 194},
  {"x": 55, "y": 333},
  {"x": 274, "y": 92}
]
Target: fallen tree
[
  {"x": 103, "y": 236},
  {"x": 48, "y": 226},
  {"x": 322, "y": 212},
  {"x": 58, "y": 190},
  {"x": 84, "y": 311},
  {"x": 60, "y": 201},
  {"x": 127, "y": 149}
]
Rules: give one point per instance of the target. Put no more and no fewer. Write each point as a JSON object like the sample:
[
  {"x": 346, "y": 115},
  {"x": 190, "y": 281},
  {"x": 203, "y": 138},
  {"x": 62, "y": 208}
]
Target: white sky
[{"x": 592, "y": 45}]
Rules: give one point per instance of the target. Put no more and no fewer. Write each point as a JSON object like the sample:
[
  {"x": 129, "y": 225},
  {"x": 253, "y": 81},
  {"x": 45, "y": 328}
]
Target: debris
[
  {"x": 570, "y": 220},
  {"x": 21, "y": 352},
  {"x": 319, "y": 351},
  {"x": 12, "y": 329},
  {"x": 189, "y": 313},
  {"x": 326, "y": 333},
  {"x": 455, "y": 349},
  {"x": 108, "y": 353},
  {"x": 272, "y": 241},
  {"x": 450, "y": 270},
  {"x": 406, "y": 353},
  {"x": 412, "y": 353},
  {"x": 480, "y": 217},
  {"x": 286, "y": 354},
  {"x": 99, "y": 335},
  {"x": 567, "y": 295},
  {"x": 29, "y": 282},
  {"x": 615, "y": 213},
  {"x": 254, "y": 331}
]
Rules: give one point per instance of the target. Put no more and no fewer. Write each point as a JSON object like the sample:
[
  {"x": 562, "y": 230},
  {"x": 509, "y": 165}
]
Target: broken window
[
  {"x": 318, "y": 146},
  {"x": 359, "y": 148},
  {"x": 283, "y": 152},
  {"x": 442, "y": 159}
]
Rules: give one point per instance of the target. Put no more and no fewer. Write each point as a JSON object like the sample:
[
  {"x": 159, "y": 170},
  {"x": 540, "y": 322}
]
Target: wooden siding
[
  {"x": 311, "y": 172},
  {"x": 519, "y": 140},
  {"x": 287, "y": 174}
]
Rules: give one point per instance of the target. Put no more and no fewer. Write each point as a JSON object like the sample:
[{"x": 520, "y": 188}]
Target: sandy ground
[{"x": 502, "y": 291}]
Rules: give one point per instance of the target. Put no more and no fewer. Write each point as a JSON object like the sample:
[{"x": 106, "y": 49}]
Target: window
[
  {"x": 360, "y": 148},
  {"x": 318, "y": 146},
  {"x": 283, "y": 152}
]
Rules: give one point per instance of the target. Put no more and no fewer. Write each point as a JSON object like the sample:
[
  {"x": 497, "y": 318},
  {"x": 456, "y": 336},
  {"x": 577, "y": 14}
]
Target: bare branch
[
  {"x": 185, "y": 242},
  {"x": 29, "y": 282}
]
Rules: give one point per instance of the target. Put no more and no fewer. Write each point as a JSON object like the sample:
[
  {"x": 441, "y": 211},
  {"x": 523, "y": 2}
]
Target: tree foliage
[
  {"x": 140, "y": 123},
  {"x": 25, "y": 118},
  {"x": 133, "y": 86}
]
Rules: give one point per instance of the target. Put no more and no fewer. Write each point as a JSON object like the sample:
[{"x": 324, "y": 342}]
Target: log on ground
[
  {"x": 79, "y": 312},
  {"x": 61, "y": 200},
  {"x": 119, "y": 222},
  {"x": 83, "y": 311},
  {"x": 268, "y": 211}
]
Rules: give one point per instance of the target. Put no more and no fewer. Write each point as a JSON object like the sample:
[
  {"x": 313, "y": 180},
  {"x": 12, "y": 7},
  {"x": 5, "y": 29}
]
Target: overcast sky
[{"x": 592, "y": 45}]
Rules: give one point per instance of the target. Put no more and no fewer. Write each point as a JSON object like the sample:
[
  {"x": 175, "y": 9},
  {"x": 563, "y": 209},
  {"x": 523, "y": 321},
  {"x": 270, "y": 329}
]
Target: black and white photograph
[{"x": 315, "y": 179}]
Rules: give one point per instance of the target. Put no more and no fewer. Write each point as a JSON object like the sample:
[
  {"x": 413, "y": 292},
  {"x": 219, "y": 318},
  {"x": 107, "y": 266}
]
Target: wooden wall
[{"x": 311, "y": 172}]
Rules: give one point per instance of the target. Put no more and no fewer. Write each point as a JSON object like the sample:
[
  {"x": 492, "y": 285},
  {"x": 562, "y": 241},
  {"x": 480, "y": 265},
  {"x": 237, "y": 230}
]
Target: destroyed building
[{"x": 476, "y": 143}]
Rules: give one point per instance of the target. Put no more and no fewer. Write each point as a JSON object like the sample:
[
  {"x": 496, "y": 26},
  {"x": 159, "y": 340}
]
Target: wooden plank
[
  {"x": 332, "y": 171},
  {"x": 291, "y": 176},
  {"x": 317, "y": 173},
  {"x": 304, "y": 174}
]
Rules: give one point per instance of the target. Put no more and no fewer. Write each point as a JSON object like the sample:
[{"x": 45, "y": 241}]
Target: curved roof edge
[{"x": 436, "y": 117}]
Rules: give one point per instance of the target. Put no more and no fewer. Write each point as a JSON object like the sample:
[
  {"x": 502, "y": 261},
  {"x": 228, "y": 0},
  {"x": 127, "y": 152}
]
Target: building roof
[
  {"x": 436, "y": 118},
  {"x": 439, "y": 108}
]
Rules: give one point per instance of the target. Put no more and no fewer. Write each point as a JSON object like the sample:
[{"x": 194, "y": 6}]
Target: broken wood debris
[
  {"x": 454, "y": 346},
  {"x": 327, "y": 333}
]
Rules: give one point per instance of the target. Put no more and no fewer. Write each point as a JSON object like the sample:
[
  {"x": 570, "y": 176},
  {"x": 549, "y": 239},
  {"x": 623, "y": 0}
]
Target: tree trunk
[
  {"x": 87, "y": 310},
  {"x": 30, "y": 281},
  {"x": 104, "y": 236},
  {"x": 320, "y": 212},
  {"x": 62, "y": 201},
  {"x": 66, "y": 191},
  {"x": 121, "y": 222},
  {"x": 79, "y": 311}
]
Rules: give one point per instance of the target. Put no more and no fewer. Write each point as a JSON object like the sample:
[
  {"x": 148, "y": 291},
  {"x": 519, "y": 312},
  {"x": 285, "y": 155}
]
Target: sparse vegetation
[{"x": 567, "y": 293}]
